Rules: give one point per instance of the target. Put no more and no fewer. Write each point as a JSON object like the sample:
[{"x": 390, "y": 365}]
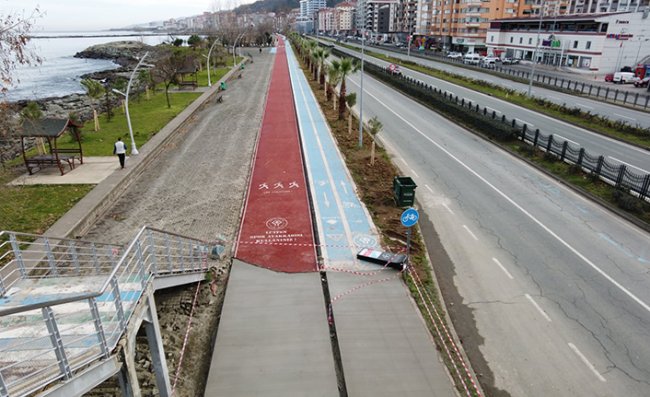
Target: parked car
[
  {"x": 609, "y": 77},
  {"x": 394, "y": 69},
  {"x": 510, "y": 61},
  {"x": 642, "y": 82},
  {"x": 455, "y": 55},
  {"x": 623, "y": 77},
  {"x": 488, "y": 62}
]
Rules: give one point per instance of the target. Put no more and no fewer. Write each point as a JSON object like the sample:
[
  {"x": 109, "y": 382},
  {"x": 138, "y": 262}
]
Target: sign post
[{"x": 409, "y": 218}]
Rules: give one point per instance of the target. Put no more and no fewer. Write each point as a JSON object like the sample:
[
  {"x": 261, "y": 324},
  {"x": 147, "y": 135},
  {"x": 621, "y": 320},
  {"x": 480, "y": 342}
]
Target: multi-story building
[
  {"x": 598, "y": 42},
  {"x": 463, "y": 24},
  {"x": 345, "y": 17},
  {"x": 327, "y": 19}
]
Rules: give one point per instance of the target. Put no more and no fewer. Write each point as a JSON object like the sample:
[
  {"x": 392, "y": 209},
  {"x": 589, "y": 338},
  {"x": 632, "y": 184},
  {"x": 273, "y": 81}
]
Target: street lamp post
[
  {"x": 208, "y": 57},
  {"x": 534, "y": 60},
  {"x": 408, "y": 46},
  {"x": 134, "y": 149},
  {"x": 638, "y": 52},
  {"x": 363, "y": 41},
  {"x": 234, "y": 59}
]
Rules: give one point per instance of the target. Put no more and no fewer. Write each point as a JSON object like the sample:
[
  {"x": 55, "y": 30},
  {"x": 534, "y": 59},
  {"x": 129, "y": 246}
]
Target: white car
[{"x": 455, "y": 55}]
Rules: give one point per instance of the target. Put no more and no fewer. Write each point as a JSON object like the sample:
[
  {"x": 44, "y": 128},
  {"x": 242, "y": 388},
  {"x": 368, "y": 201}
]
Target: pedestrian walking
[{"x": 120, "y": 149}]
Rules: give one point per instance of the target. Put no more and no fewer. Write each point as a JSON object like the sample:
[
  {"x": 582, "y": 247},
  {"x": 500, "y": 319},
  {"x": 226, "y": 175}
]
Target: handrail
[{"x": 37, "y": 236}]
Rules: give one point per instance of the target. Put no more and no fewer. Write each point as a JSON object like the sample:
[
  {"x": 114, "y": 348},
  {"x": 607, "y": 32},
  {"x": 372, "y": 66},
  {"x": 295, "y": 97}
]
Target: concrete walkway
[{"x": 91, "y": 172}]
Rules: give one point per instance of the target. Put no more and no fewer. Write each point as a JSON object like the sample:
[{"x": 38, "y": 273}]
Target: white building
[
  {"x": 598, "y": 42},
  {"x": 345, "y": 17}
]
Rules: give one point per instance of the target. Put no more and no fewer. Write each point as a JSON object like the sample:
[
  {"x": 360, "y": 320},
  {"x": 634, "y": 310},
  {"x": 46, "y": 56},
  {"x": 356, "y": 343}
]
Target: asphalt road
[
  {"x": 559, "y": 287},
  {"x": 616, "y": 152},
  {"x": 613, "y": 112}
]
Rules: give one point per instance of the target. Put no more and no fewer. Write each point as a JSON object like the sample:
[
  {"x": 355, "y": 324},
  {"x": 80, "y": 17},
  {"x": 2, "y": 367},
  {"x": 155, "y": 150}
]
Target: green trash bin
[{"x": 404, "y": 191}]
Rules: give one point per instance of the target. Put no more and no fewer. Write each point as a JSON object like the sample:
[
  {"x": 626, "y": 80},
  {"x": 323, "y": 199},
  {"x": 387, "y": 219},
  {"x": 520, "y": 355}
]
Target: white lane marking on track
[
  {"x": 470, "y": 232},
  {"x": 586, "y": 362},
  {"x": 519, "y": 207},
  {"x": 567, "y": 139},
  {"x": 448, "y": 209},
  {"x": 629, "y": 165},
  {"x": 427, "y": 186},
  {"x": 538, "y": 307},
  {"x": 503, "y": 268},
  {"x": 625, "y": 117},
  {"x": 414, "y": 173}
]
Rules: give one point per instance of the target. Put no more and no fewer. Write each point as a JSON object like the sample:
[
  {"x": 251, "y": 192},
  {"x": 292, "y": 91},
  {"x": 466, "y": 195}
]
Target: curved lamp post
[
  {"x": 134, "y": 150},
  {"x": 208, "y": 57},
  {"x": 234, "y": 59}
]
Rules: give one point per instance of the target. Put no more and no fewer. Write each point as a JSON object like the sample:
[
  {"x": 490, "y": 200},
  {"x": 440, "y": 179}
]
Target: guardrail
[
  {"x": 618, "y": 175},
  {"x": 66, "y": 303},
  {"x": 610, "y": 94}
]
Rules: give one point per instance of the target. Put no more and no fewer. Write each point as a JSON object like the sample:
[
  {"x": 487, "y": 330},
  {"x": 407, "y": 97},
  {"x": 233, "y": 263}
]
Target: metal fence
[
  {"x": 618, "y": 175},
  {"x": 639, "y": 99},
  {"x": 66, "y": 303}
]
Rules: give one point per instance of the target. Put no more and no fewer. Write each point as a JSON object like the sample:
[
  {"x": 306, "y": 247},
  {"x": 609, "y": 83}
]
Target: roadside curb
[{"x": 78, "y": 220}]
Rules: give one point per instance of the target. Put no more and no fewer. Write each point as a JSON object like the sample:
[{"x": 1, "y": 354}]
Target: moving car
[
  {"x": 609, "y": 77},
  {"x": 489, "y": 62},
  {"x": 455, "y": 55},
  {"x": 393, "y": 69},
  {"x": 510, "y": 61},
  {"x": 471, "y": 59},
  {"x": 623, "y": 77},
  {"x": 642, "y": 82}
]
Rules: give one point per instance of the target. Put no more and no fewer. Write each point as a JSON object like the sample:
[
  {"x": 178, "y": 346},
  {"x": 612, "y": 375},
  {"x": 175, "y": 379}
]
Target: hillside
[{"x": 274, "y": 6}]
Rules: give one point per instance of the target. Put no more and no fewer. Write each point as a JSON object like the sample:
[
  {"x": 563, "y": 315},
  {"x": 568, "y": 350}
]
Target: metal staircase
[{"x": 67, "y": 304}]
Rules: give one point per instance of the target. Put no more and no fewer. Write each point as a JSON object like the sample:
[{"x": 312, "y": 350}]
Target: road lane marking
[
  {"x": 414, "y": 173},
  {"x": 525, "y": 122},
  {"x": 554, "y": 97},
  {"x": 428, "y": 188},
  {"x": 503, "y": 268},
  {"x": 629, "y": 165},
  {"x": 449, "y": 92},
  {"x": 448, "y": 209},
  {"x": 566, "y": 139},
  {"x": 539, "y": 309},
  {"x": 519, "y": 207},
  {"x": 586, "y": 362},
  {"x": 492, "y": 110},
  {"x": 470, "y": 232},
  {"x": 584, "y": 106},
  {"x": 625, "y": 117}
]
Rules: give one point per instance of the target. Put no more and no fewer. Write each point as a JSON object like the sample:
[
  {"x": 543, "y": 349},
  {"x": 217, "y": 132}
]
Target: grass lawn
[{"x": 33, "y": 209}]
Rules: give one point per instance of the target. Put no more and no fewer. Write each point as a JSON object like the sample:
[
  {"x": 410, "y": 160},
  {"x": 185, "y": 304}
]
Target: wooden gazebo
[{"x": 51, "y": 129}]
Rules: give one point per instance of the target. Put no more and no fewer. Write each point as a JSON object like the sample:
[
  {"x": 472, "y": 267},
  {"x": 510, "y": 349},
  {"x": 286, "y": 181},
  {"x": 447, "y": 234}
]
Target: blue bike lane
[{"x": 344, "y": 225}]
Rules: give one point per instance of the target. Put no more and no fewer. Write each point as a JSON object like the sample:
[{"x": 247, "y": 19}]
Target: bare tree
[
  {"x": 14, "y": 36},
  {"x": 168, "y": 68}
]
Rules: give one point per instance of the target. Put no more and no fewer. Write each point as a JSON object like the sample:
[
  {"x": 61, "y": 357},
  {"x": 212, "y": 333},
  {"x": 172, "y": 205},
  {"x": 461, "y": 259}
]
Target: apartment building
[
  {"x": 597, "y": 42},
  {"x": 345, "y": 17},
  {"x": 463, "y": 24}
]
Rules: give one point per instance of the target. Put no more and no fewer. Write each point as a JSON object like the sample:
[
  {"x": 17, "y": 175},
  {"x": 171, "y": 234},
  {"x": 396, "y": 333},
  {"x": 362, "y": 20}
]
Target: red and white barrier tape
[
  {"x": 419, "y": 286},
  {"x": 187, "y": 335}
]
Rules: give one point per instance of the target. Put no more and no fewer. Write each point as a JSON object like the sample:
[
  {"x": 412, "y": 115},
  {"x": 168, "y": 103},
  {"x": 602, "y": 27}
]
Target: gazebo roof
[{"x": 48, "y": 128}]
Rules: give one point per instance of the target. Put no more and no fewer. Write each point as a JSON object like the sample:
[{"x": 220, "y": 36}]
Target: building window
[
  {"x": 575, "y": 44},
  {"x": 588, "y": 45},
  {"x": 521, "y": 40},
  {"x": 511, "y": 39},
  {"x": 491, "y": 38},
  {"x": 530, "y": 41}
]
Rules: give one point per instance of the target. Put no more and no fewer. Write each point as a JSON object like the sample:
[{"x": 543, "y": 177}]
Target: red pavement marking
[{"x": 277, "y": 207}]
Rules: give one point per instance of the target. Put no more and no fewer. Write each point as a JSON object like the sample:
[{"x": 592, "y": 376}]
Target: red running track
[{"x": 277, "y": 207}]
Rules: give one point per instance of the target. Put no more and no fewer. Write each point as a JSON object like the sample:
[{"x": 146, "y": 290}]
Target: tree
[
  {"x": 194, "y": 41},
  {"x": 168, "y": 68},
  {"x": 323, "y": 57},
  {"x": 334, "y": 78},
  {"x": 33, "y": 112},
  {"x": 178, "y": 42},
  {"x": 14, "y": 36},
  {"x": 95, "y": 90},
  {"x": 345, "y": 67},
  {"x": 351, "y": 100}
]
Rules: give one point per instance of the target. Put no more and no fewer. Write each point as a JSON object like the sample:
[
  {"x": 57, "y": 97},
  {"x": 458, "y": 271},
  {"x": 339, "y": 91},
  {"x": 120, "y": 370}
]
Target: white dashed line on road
[
  {"x": 583, "y": 106},
  {"x": 539, "y": 309},
  {"x": 625, "y": 117},
  {"x": 448, "y": 209},
  {"x": 586, "y": 362},
  {"x": 470, "y": 232},
  {"x": 629, "y": 165},
  {"x": 503, "y": 268},
  {"x": 566, "y": 139}
]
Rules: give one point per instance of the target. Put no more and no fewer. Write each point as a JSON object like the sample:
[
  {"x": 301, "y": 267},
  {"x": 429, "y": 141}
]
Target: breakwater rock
[{"x": 124, "y": 53}]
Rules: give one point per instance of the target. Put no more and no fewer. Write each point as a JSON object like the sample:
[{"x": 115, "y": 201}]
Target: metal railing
[{"x": 66, "y": 303}]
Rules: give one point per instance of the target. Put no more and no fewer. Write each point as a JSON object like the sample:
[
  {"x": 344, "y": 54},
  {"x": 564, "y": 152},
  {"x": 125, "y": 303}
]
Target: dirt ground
[{"x": 196, "y": 188}]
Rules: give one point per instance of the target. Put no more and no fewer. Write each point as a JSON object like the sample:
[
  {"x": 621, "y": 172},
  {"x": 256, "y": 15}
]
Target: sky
[{"x": 74, "y": 15}]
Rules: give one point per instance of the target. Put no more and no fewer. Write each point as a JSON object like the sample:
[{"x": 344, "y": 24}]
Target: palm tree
[
  {"x": 95, "y": 90},
  {"x": 317, "y": 55},
  {"x": 334, "y": 78},
  {"x": 346, "y": 67},
  {"x": 324, "y": 55},
  {"x": 351, "y": 100}
]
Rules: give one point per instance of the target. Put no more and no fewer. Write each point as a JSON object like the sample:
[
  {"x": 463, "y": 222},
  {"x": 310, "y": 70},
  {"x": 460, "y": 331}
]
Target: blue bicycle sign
[{"x": 410, "y": 217}]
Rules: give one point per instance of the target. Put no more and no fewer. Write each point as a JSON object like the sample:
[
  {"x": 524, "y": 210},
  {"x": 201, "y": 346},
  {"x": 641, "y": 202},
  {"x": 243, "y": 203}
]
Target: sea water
[{"x": 60, "y": 73}]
